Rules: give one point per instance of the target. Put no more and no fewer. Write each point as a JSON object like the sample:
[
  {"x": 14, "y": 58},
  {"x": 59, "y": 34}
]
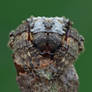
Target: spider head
[{"x": 47, "y": 33}]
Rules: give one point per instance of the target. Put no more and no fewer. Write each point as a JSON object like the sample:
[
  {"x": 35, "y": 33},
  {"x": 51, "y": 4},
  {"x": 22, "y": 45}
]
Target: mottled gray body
[{"x": 44, "y": 53}]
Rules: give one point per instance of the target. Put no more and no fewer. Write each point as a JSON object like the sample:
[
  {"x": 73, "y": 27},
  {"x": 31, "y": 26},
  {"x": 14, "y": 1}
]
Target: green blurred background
[{"x": 12, "y": 12}]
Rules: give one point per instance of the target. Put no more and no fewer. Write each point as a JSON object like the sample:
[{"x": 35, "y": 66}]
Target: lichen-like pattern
[{"x": 44, "y": 51}]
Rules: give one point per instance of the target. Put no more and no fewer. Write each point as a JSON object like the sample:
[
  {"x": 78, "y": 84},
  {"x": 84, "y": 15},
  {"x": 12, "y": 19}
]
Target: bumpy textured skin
[{"x": 44, "y": 51}]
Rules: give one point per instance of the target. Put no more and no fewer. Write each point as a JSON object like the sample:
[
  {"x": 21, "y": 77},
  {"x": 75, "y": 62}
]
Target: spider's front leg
[{"x": 70, "y": 80}]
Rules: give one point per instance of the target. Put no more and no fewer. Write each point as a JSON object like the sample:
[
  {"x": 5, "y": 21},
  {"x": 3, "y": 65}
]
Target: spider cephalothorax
[{"x": 44, "y": 52}]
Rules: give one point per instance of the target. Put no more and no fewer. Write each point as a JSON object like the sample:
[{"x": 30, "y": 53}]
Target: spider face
[{"x": 47, "y": 33}]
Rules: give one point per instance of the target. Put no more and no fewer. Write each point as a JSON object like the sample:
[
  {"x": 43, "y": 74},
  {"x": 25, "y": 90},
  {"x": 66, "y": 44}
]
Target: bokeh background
[{"x": 12, "y": 12}]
